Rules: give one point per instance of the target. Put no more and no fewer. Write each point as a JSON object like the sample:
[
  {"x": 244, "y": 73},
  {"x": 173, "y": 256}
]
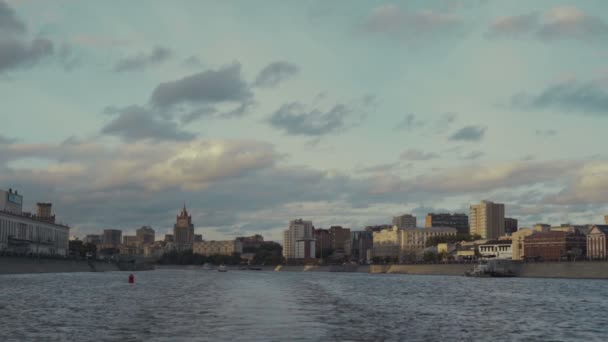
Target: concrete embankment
[
  {"x": 16, "y": 265},
  {"x": 451, "y": 269}
]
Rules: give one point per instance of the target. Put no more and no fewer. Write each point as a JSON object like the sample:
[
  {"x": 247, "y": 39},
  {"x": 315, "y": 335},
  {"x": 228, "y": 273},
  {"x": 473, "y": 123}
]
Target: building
[
  {"x": 11, "y": 202},
  {"x": 339, "y": 238},
  {"x": 487, "y": 220},
  {"x": 378, "y": 228},
  {"x": 361, "y": 242},
  {"x": 517, "y": 242},
  {"x": 169, "y": 238},
  {"x": 129, "y": 240},
  {"x": 606, "y": 219},
  {"x": 597, "y": 242},
  {"x": 183, "y": 231},
  {"x": 299, "y": 241},
  {"x": 458, "y": 221},
  {"x": 413, "y": 241},
  {"x": 510, "y": 225},
  {"x": 554, "y": 246},
  {"x": 198, "y": 237},
  {"x": 251, "y": 243},
  {"x": 111, "y": 238},
  {"x": 497, "y": 249},
  {"x": 22, "y": 233},
  {"x": 386, "y": 243},
  {"x": 322, "y": 243},
  {"x": 208, "y": 248},
  {"x": 145, "y": 236},
  {"x": 404, "y": 221},
  {"x": 542, "y": 227},
  {"x": 94, "y": 239}
]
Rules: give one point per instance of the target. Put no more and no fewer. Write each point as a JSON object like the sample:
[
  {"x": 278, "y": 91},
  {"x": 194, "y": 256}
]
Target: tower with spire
[{"x": 183, "y": 231}]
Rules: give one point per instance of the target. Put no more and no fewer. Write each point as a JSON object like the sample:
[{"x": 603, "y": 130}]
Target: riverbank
[{"x": 22, "y": 265}]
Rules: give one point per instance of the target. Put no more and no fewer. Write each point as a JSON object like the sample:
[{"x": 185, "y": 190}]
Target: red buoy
[{"x": 131, "y": 279}]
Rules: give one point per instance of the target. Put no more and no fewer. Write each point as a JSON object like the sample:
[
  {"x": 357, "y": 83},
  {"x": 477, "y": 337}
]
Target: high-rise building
[
  {"x": 487, "y": 219},
  {"x": 322, "y": 243},
  {"x": 183, "y": 231},
  {"x": 361, "y": 242},
  {"x": 145, "y": 236},
  {"x": 94, "y": 239},
  {"x": 129, "y": 240},
  {"x": 510, "y": 225},
  {"x": 405, "y": 221},
  {"x": 111, "y": 238},
  {"x": 458, "y": 221},
  {"x": 338, "y": 237},
  {"x": 298, "y": 240}
]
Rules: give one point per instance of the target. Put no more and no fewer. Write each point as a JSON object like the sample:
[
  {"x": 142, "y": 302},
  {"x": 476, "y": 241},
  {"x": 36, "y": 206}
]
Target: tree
[{"x": 430, "y": 256}]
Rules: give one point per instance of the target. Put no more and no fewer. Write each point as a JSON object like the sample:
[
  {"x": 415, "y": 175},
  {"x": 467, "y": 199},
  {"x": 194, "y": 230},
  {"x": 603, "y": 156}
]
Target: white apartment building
[
  {"x": 487, "y": 220},
  {"x": 298, "y": 240}
]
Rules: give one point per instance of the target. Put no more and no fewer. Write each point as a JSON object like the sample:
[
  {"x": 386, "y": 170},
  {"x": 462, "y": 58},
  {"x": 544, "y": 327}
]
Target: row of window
[{"x": 33, "y": 232}]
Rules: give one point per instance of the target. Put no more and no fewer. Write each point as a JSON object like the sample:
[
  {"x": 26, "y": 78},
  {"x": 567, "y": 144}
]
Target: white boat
[{"x": 222, "y": 268}]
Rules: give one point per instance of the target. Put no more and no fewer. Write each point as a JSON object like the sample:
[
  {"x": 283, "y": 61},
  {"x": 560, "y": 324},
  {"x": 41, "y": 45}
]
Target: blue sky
[{"x": 339, "y": 112}]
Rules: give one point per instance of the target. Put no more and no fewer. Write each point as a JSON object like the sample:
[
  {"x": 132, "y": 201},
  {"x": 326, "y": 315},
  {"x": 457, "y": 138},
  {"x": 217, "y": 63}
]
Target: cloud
[
  {"x": 15, "y": 50},
  {"x": 546, "y": 132},
  {"x": 473, "y": 155},
  {"x": 414, "y": 154},
  {"x": 295, "y": 119},
  {"x": 9, "y": 23},
  {"x": 513, "y": 26},
  {"x": 142, "y": 60},
  {"x": 559, "y": 23},
  {"x": 401, "y": 23},
  {"x": 197, "y": 114},
  {"x": 136, "y": 123},
  {"x": 589, "y": 186},
  {"x": 192, "y": 62},
  {"x": 409, "y": 122},
  {"x": 5, "y": 141},
  {"x": 469, "y": 133},
  {"x": 584, "y": 97},
  {"x": 275, "y": 73},
  {"x": 211, "y": 86}
]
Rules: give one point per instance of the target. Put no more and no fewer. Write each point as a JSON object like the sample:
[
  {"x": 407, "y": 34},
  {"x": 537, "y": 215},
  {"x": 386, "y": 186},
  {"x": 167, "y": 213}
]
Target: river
[{"x": 197, "y": 305}]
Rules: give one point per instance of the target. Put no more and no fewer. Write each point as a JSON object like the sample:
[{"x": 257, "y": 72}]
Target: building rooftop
[{"x": 33, "y": 218}]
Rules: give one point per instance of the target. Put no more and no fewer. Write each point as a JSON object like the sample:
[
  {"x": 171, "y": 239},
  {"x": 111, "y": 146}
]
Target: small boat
[
  {"x": 491, "y": 268},
  {"x": 222, "y": 268}
]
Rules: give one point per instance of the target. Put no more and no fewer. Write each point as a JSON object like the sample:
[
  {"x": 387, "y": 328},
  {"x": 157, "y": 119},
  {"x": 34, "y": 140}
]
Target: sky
[{"x": 341, "y": 112}]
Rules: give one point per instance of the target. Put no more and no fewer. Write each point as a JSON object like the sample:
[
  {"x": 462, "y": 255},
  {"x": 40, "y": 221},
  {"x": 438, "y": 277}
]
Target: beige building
[
  {"x": 129, "y": 240},
  {"x": 487, "y": 220},
  {"x": 299, "y": 241},
  {"x": 606, "y": 219},
  {"x": 183, "y": 231},
  {"x": 208, "y": 248},
  {"x": 597, "y": 242},
  {"x": 517, "y": 242},
  {"x": 145, "y": 236},
  {"x": 406, "y": 243}
]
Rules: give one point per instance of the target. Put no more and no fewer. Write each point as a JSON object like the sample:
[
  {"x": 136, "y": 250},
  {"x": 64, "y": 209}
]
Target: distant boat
[
  {"x": 222, "y": 268},
  {"x": 491, "y": 268}
]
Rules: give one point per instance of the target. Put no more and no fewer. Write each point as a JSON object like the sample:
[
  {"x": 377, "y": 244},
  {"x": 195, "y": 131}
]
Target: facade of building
[
  {"x": 208, "y": 248},
  {"x": 606, "y": 219},
  {"x": 487, "y": 220},
  {"x": 129, "y": 240},
  {"x": 145, "y": 235},
  {"x": 458, "y": 221},
  {"x": 198, "y": 237},
  {"x": 413, "y": 241},
  {"x": 299, "y": 241},
  {"x": 339, "y": 238},
  {"x": 94, "y": 239},
  {"x": 111, "y": 238},
  {"x": 597, "y": 243},
  {"x": 11, "y": 202},
  {"x": 386, "y": 243},
  {"x": 510, "y": 225},
  {"x": 378, "y": 228},
  {"x": 554, "y": 246},
  {"x": 517, "y": 242},
  {"x": 322, "y": 243},
  {"x": 183, "y": 231},
  {"x": 497, "y": 249},
  {"x": 361, "y": 242},
  {"x": 251, "y": 243},
  {"x": 24, "y": 233},
  {"x": 404, "y": 221}
]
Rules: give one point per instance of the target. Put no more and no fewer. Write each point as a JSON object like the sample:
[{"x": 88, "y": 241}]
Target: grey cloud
[
  {"x": 192, "y": 62},
  {"x": 16, "y": 53},
  {"x": 5, "y": 141},
  {"x": 414, "y": 154},
  {"x": 401, "y": 23},
  {"x": 546, "y": 132},
  {"x": 142, "y": 60},
  {"x": 513, "y": 26},
  {"x": 197, "y": 114},
  {"x": 589, "y": 97},
  {"x": 275, "y": 73},
  {"x": 473, "y": 155},
  {"x": 212, "y": 86},
  {"x": 409, "y": 122},
  {"x": 9, "y": 23},
  {"x": 294, "y": 119},
  {"x": 469, "y": 133},
  {"x": 560, "y": 23},
  {"x": 136, "y": 123}
]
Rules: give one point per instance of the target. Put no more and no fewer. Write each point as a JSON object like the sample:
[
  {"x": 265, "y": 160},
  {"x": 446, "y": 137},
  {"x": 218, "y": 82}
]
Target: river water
[{"x": 197, "y": 305}]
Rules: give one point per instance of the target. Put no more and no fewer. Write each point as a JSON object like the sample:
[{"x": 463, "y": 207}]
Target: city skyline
[{"x": 345, "y": 115}]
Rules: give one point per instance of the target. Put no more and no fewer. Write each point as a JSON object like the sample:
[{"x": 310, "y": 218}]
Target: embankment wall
[{"x": 16, "y": 265}]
